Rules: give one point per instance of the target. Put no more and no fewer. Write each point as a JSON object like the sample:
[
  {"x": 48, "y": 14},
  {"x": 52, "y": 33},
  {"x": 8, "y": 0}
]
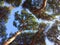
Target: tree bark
[{"x": 12, "y": 38}]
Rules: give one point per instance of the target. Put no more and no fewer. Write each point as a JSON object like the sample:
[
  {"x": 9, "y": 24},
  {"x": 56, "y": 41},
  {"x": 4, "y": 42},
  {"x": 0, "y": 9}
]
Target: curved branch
[
  {"x": 12, "y": 38},
  {"x": 34, "y": 10}
]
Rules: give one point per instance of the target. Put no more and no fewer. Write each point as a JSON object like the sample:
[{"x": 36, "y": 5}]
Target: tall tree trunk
[{"x": 12, "y": 38}]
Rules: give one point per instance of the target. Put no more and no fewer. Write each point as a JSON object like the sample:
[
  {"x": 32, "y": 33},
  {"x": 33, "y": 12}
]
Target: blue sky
[{"x": 9, "y": 24}]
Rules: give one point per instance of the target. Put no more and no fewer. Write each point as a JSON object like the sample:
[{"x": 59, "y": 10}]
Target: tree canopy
[{"x": 33, "y": 22}]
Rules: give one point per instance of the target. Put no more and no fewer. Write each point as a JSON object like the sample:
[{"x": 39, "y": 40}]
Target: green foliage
[
  {"x": 25, "y": 19},
  {"x": 1, "y": 3}
]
